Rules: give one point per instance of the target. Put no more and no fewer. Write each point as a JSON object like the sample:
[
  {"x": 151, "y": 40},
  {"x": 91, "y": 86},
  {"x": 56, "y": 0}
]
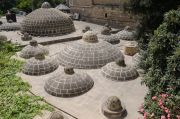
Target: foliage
[
  {"x": 15, "y": 102},
  {"x": 6, "y": 5},
  {"x": 162, "y": 106},
  {"x": 151, "y": 15},
  {"x": 162, "y": 66}
]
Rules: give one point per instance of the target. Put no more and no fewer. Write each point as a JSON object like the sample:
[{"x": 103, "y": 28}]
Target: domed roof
[
  {"x": 113, "y": 108},
  {"x": 126, "y": 34},
  {"x": 57, "y": 115},
  {"x": 10, "y": 26},
  {"x": 39, "y": 65},
  {"x": 88, "y": 53},
  {"x": 47, "y": 21},
  {"x": 68, "y": 83},
  {"x": 119, "y": 71},
  {"x": 107, "y": 36},
  {"x": 31, "y": 50}
]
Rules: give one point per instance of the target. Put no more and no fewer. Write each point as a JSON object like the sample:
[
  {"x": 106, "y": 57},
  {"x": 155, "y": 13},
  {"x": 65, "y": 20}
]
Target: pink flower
[
  {"x": 163, "y": 117},
  {"x": 167, "y": 110},
  {"x": 169, "y": 116},
  {"x": 160, "y": 103},
  {"x": 164, "y": 95},
  {"x": 178, "y": 116},
  {"x": 145, "y": 115},
  {"x": 154, "y": 97}
]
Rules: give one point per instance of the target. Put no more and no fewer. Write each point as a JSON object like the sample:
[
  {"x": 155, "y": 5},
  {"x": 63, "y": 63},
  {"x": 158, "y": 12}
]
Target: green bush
[{"x": 162, "y": 66}]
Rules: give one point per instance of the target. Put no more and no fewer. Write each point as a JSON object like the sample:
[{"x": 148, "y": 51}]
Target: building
[{"x": 102, "y": 11}]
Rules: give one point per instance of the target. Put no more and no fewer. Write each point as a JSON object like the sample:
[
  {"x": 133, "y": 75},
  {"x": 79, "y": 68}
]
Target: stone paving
[
  {"x": 131, "y": 92},
  {"x": 88, "y": 105}
]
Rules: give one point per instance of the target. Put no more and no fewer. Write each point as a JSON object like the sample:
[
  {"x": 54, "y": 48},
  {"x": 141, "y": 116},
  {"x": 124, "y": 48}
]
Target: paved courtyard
[{"x": 131, "y": 92}]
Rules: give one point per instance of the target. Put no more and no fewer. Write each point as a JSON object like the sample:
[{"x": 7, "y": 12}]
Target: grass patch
[{"x": 15, "y": 102}]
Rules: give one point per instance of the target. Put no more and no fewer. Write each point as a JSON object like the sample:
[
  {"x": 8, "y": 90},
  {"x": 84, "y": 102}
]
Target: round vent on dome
[{"x": 47, "y": 21}]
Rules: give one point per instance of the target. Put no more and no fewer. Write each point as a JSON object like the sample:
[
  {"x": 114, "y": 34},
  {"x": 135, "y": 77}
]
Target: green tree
[{"x": 25, "y": 5}]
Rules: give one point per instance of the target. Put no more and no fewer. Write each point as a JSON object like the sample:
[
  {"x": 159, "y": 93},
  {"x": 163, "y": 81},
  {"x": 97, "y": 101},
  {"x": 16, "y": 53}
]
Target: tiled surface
[
  {"x": 85, "y": 55},
  {"x": 37, "y": 67},
  {"x": 65, "y": 85},
  {"x": 115, "y": 72},
  {"x": 131, "y": 93},
  {"x": 125, "y": 35},
  {"x": 30, "y": 51},
  {"x": 113, "y": 39},
  {"x": 10, "y": 26},
  {"x": 47, "y": 22}
]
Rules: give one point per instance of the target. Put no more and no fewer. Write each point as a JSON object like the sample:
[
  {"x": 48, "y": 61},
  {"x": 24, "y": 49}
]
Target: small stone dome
[
  {"x": 126, "y": 34},
  {"x": 57, "y": 115},
  {"x": 10, "y": 27},
  {"x": 113, "y": 108},
  {"x": 31, "y": 49},
  {"x": 47, "y": 21},
  {"x": 40, "y": 65},
  {"x": 107, "y": 36},
  {"x": 88, "y": 53},
  {"x": 68, "y": 83},
  {"x": 119, "y": 71}
]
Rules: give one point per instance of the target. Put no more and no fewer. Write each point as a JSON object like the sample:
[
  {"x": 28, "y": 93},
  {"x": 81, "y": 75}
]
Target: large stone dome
[
  {"x": 47, "y": 21},
  {"x": 89, "y": 53},
  {"x": 68, "y": 83}
]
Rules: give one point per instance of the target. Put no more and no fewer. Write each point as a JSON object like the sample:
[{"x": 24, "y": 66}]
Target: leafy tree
[
  {"x": 151, "y": 12},
  {"x": 6, "y": 5},
  {"x": 25, "y": 5}
]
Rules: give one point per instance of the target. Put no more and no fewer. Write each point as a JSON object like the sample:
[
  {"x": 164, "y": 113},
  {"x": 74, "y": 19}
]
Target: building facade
[{"x": 102, "y": 11}]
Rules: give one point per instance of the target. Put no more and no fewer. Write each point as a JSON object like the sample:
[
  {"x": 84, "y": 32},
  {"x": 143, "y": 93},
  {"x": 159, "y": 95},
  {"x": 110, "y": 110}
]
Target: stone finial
[
  {"x": 26, "y": 37},
  {"x": 120, "y": 62},
  {"x": 40, "y": 55},
  {"x": 33, "y": 43},
  {"x": 106, "y": 31},
  {"x": 46, "y": 5},
  {"x": 69, "y": 70},
  {"x": 114, "y": 103},
  {"x": 90, "y": 37},
  {"x": 87, "y": 28},
  {"x": 56, "y": 115}
]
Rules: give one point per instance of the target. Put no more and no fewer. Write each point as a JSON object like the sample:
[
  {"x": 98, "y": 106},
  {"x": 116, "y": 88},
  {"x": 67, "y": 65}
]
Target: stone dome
[
  {"x": 10, "y": 27},
  {"x": 126, "y": 34},
  {"x": 31, "y": 50},
  {"x": 47, "y": 21},
  {"x": 113, "y": 108},
  {"x": 57, "y": 115},
  {"x": 68, "y": 83},
  {"x": 107, "y": 36},
  {"x": 88, "y": 53},
  {"x": 119, "y": 71},
  {"x": 40, "y": 65}
]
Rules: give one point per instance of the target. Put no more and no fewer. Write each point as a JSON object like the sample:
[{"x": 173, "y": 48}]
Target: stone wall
[{"x": 101, "y": 14}]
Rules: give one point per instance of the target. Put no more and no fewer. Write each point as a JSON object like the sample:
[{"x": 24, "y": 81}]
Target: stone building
[{"x": 102, "y": 11}]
